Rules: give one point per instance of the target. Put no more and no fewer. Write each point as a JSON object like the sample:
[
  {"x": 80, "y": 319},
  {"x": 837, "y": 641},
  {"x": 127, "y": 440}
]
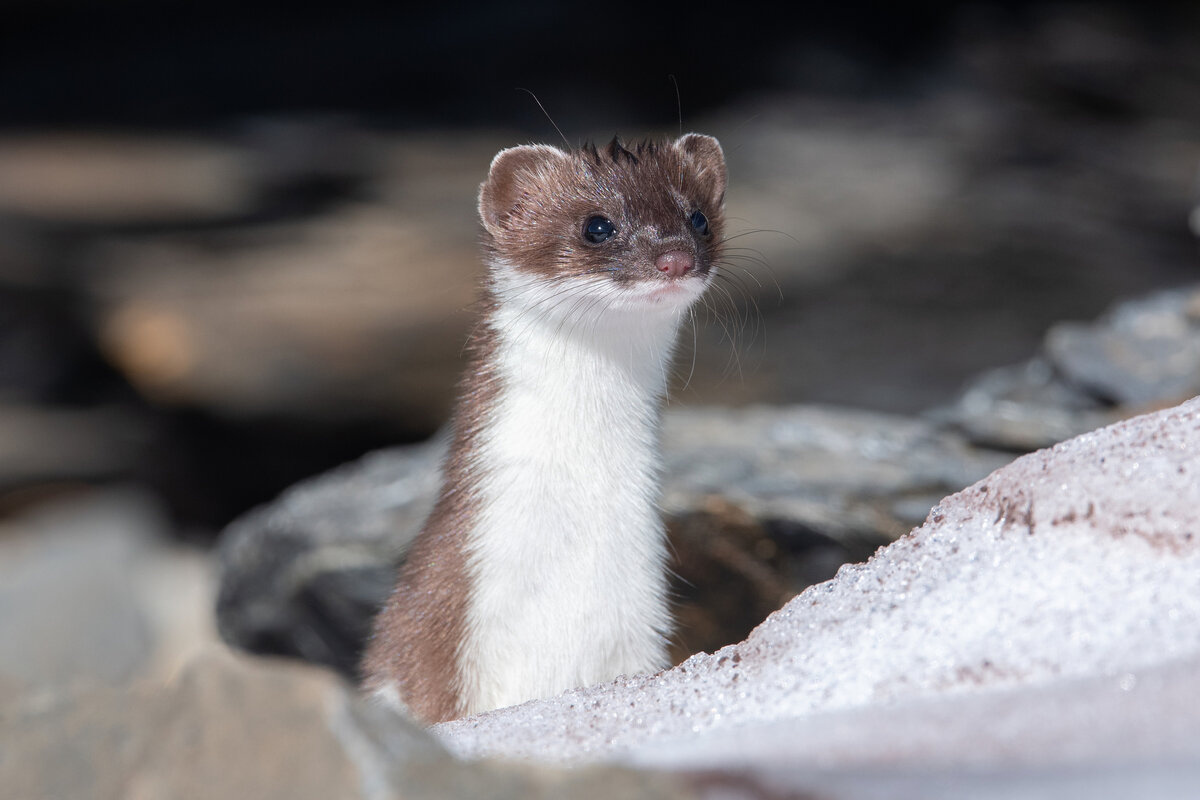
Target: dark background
[{"x": 148, "y": 63}]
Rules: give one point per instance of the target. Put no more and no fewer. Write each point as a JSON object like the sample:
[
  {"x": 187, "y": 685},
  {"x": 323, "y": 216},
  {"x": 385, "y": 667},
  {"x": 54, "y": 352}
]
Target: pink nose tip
[{"x": 675, "y": 263}]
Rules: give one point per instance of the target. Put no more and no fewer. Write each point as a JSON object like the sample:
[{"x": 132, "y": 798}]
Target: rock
[
  {"x": 1101, "y": 781},
  {"x": 848, "y": 474},
  {"x": 760, "y": 503},
  {"x": 348, "y": 315},
  {"x": 94, "y": 594},
  {"x": 110, "y": 179},
  {"x": 1045, "y": 618},
  {"x": 355, "y": 308},
  {"x": 851, "y": 174},
  {"x": 1143, "y": 354},
  {"x": 304, "y": 575},
  {"x": 231, "y": 726},
  {"x": 904, "y": 242},
  {"x": 1024, "y": 407},
  {"x": 113, "y": 685}
]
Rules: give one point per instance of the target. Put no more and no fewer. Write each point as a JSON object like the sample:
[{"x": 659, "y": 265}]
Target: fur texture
[{"x": 543, "y": 566}]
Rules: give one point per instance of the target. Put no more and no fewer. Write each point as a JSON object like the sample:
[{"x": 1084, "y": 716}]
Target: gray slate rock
[
  {"x": 847, "y": 474},
  {"x": 304, "y": 575},
  {"x": 1024, "y": 407},
  {"x": 1143, "y": 354}
]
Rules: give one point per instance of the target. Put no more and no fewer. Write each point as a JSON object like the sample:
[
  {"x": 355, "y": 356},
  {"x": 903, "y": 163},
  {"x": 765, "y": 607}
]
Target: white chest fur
[{"x": 566, "y": 559}]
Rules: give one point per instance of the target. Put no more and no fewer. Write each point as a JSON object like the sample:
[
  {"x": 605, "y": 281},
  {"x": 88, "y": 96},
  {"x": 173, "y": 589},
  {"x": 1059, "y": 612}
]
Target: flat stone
[
  {"x": 1024, "y": 407},
  {"x": 834, "y": 470},
  {"x": 93, "y": 594},
  {"x": 1141, "y": 355},
  {"x": 358, "y": 310},
  {"x": 305, "y": 318},
  {"x": 1144, "y": 353},
  {"x": 109, "y": 179},
  {"x": 233, "y": 726}
]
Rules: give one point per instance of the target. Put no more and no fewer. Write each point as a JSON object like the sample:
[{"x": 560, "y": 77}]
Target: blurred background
[
  {"x": 238, "y": 243},
  {"x": 238, "y": 248}
]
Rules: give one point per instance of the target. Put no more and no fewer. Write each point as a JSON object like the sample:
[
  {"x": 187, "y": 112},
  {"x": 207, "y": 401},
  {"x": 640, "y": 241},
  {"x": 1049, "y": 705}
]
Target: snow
[{"x": 1047, "y": 615}]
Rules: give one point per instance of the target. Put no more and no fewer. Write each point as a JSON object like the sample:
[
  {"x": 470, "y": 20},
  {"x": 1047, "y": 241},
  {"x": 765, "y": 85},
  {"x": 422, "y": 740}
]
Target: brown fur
[
  {"x": 415, "y": 641},
  {"x": 533, "y": 208}
]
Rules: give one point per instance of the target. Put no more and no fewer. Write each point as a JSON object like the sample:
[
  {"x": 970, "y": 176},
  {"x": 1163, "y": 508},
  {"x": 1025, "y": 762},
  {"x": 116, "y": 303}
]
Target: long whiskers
[
  {"x": 733, "y": 300},
  {"x": 547, "y": 113}
]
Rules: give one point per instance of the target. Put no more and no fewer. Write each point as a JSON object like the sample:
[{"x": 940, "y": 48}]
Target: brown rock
[
  {"x": 90, "y": 178},
  {"x": 355, "y": 314},
  {"x": 233, "y": 726}
]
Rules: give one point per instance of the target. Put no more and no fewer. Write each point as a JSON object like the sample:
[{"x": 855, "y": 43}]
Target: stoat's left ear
[
  {"x": 515, "y": 174},
  {"x": 706, "y": 155}
]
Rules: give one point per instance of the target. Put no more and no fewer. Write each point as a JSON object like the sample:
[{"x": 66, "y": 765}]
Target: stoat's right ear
[
  {"x": 709, "y": 159},
  {"x": 513, "y": 176}
]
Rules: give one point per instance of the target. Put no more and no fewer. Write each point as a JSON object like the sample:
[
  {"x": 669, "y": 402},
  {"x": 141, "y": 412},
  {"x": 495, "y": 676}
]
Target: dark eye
[
  {"x": 700, "y": 223},
  {"x": 598, "y": 229}
]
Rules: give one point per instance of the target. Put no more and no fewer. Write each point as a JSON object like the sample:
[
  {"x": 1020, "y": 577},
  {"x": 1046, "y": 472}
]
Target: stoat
[{"x": 543, "y": 564}]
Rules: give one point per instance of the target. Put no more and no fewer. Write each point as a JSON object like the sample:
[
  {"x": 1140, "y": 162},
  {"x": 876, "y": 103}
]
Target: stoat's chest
[{"x": 566, "y": 556}]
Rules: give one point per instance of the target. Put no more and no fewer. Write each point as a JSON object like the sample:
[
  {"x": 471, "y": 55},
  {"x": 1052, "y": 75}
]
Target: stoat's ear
[
  {"x": 706, "y": 155},
  {"x": 514, "y": 174}
]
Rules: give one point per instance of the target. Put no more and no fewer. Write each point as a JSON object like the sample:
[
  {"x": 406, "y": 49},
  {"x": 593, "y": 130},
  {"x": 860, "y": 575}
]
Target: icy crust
[{"x": 1081, "y": 560}]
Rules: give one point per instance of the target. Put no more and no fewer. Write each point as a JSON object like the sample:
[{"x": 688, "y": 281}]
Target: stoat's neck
[
  {"x": 566, "y": 555},
  {"x": 619, "y": 355}
]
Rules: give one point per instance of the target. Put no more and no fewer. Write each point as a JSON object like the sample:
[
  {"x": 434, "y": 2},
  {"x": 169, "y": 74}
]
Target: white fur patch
[{"x": 567, "y": 560}]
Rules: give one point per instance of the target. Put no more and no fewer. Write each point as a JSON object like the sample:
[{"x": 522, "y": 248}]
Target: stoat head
[{"x": 610, "y": 228}]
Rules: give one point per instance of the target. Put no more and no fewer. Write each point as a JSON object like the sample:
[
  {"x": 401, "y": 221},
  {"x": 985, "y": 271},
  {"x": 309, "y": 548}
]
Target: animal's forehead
[{"x": 647, "y": 184}]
